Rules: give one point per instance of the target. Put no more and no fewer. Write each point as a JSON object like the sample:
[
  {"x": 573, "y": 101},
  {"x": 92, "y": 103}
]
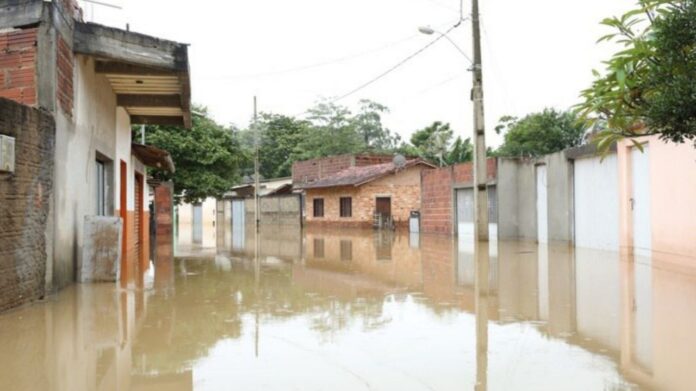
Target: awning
[
  {"x": 153, "y": 157},
  {"x": 150, "y": 76}
]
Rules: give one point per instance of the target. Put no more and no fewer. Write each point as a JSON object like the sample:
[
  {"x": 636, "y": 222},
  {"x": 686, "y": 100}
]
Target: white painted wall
[
  {"x": 185, "y": 227},
  {"x": 542, "y": 204},
  {"x": 596, "y": 198}
]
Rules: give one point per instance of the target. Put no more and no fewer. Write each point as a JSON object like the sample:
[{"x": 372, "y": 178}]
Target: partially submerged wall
[
  {"x": 517, "y": 197},
  {"x": 25, "y": 197},
  {"x": 438, "y": 214},
  {"x": 275, "y": 210}
]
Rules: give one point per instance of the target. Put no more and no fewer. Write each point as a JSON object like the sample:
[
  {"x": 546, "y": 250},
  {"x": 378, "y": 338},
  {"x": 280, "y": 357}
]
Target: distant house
[{"x": 361, "y": 196}]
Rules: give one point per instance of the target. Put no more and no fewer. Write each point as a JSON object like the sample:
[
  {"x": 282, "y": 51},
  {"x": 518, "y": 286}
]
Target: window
[
  {"x": 102, "y": 182},
  {"x": 346, "y": 250},
  {"x": 318, "y": 207},
  {"x": 346, "y": 207}
]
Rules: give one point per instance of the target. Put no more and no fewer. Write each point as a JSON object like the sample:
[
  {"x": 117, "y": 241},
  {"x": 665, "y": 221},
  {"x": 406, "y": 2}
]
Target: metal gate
[{"x": 596, "y": 203}]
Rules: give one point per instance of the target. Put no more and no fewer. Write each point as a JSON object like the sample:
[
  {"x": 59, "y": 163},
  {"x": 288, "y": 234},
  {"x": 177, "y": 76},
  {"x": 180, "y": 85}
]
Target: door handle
[{"x": 633, "y": 203}]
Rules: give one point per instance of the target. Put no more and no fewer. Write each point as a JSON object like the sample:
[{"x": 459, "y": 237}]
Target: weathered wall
[
  {"x": 403, "y": 188},
  {"x": 24, "y": 204},
  {"x": 275, "y": 210},
  {"x": 438, "y": 214},
  {"x": 517, "y": 197}
]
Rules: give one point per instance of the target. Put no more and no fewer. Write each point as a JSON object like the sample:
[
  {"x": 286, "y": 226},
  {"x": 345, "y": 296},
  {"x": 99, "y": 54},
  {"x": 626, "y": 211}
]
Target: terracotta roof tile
[{"x": 356, "y": 176}]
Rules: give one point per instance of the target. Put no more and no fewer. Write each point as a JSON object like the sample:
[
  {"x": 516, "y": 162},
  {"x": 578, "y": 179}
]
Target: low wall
[
  {"x": 25, "y": 198},
  {"x": 275, "y": 210}
]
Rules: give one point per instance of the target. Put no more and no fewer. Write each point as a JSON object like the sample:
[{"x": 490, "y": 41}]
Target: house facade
[
  {"x": 362, "y": 196},
  {"x": 95, "y": 82}
]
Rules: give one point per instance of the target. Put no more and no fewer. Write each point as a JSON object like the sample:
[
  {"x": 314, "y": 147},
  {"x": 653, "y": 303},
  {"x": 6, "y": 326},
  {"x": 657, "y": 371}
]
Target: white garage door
[{"x": 596, "y": 185}]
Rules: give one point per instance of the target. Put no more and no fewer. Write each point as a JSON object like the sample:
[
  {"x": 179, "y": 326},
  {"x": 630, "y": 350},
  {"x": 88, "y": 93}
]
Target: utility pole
[
  {"x": 480, "y": 166},
  {"x": 256, "y": 167}
]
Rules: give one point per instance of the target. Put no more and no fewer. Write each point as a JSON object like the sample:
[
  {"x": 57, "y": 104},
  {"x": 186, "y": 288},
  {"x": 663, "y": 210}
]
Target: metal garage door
[
  {"x": 596, "y": 195},
  {"x": 465, "y": 213},
  {"x": 542, "y": 205},
  {"x": 238, "y": 213}
]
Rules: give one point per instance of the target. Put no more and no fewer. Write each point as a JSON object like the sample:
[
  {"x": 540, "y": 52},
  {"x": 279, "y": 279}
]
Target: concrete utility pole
[
  {"x": 480, "y": 166},
  {"x": 256, "y": 168}
]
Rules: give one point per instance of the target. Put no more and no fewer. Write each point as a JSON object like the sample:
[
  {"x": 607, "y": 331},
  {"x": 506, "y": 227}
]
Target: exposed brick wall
[
  {"x": 18, "y": 65},
  {"x": 64, "y": 76},
  {"x": 24, "y": 204},
  {"x": 437, "y": 214},
  {"x": 436, "y": 204},
  {"x": 403, "y": 188},
  {"x": 311, "y": 170}
]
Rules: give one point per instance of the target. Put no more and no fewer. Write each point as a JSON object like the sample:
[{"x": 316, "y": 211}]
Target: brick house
[
  {"x": 94, "y": 82},
  {"x": 353, "y": 197},
  {"x": 307, "y": 171}
]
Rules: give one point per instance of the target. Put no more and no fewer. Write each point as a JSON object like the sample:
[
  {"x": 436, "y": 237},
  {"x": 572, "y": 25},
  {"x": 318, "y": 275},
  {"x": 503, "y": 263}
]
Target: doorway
[
  {"x": 640, "y": 200},
  {"x": 123, "y": 212},
  {"x": 139, "y": 219},
  {"x": 383, "y": 211}
]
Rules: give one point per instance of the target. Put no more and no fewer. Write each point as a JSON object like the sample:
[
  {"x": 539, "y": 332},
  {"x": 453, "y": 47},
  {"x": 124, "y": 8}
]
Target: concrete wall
[
  {"x": 517, "y": 197},
  {"x": 24, "y": 204},
  {"x": 275, "y": 210}
]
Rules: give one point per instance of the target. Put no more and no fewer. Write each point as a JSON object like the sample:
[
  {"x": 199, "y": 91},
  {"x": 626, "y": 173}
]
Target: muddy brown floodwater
[{"x": 363, "y": 310}]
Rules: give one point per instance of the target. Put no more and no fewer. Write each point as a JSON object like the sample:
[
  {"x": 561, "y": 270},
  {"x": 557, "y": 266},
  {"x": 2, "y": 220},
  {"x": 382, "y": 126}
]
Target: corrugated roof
[{"x": 357, "y": 176}]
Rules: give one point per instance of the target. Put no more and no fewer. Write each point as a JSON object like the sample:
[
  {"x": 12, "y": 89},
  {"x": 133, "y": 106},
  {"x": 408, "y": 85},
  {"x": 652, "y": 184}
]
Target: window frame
[
  {"x": 315, "y": 210},
  {"x": 344, "y": 212}
]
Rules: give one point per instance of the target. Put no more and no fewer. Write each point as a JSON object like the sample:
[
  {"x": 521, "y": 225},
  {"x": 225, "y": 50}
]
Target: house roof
[
  {"x": 358, "y": 176},
  {"x": 153, "y": 157},
  {"x": 149, "y": 75},
  {"x": 267, "y": 187}
]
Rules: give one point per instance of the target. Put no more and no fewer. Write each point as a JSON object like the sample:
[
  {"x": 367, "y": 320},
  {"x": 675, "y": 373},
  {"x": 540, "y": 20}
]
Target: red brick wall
[
  {"x": 64, "y": 76},
  {"x": 18, "y": 66},
  {"x": 437, "y": 213},
  {"x": 436, "y": 200},
  {"x": 368, "y": 160}
]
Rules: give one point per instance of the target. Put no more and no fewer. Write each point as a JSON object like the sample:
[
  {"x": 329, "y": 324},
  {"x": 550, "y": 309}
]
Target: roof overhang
[
  {"x": 153, "y": 157},
  {"x": 150, "y": 76}
]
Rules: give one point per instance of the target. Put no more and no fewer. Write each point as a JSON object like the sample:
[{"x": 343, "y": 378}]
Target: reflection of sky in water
[{"x": 362, "y": 310}]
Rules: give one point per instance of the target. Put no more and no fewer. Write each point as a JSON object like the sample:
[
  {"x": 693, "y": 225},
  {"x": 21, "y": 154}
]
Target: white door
[
  {"x": 197, "y": 223},
  {"x": 640, "y": 201},
  {"x": 542, "y": 205},
  {"x": 596, "y": 197}
]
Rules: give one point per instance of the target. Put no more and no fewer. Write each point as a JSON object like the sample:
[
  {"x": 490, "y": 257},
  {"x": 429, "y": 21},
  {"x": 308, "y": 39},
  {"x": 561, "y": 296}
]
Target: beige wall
[
  {"x": 403, "y": 188},
  {"x": 673, "y": 192}
]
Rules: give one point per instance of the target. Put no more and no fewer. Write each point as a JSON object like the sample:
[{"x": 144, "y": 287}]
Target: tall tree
[
  {"x": 433, "y": 141},
  {"x": 649, "y": 87},
  {"x": 207, "y": 158},
  {"x": 539, "y": 133},
  {"x": 368, "y": 123}
]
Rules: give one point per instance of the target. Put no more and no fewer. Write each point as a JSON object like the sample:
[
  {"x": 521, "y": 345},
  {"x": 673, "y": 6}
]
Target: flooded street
[{"x": 353, "y": 310}]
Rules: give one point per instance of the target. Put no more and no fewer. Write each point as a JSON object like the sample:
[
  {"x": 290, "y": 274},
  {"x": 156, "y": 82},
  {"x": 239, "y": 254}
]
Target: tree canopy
[
  {"x": 207, "y": 157},
  {"x": 540, "y": 133},
  {"x": 649, "y": 86}
]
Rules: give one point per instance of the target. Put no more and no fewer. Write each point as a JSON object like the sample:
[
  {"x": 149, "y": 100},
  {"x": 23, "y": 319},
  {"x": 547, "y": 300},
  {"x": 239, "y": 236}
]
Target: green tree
[
  {"x": 433, "y": 142},
  {"x": 279, "y": 136},
  {"x": 207, "y": 158},
  {"x": 461, "y": 152},
  {"x": 539, "y": 133},
  {"x": 648, "y": 87},
  {"x": 368, "y": 123}
]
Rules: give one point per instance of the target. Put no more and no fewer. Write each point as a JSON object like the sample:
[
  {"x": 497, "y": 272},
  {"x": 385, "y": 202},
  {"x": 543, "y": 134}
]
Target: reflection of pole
[
  {"x": 256, "y": 167},
  {"x": 481, "y": 252},
  {"x": 257, "y": 287}
]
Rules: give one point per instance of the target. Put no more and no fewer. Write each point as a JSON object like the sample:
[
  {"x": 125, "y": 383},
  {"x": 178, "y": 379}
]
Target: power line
[
  {"x": 318, "y": 64},
  {"x": 393, "y": 68}
]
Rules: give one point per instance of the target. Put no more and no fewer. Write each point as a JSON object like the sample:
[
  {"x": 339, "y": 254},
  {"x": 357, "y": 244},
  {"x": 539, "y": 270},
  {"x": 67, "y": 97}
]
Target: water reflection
[{"x": 351, "y": 310}]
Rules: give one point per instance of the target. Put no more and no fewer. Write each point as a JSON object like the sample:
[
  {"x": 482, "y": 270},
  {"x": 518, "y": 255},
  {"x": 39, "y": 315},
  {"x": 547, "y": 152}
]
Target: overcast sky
[{"x": 537, "y": 53}]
